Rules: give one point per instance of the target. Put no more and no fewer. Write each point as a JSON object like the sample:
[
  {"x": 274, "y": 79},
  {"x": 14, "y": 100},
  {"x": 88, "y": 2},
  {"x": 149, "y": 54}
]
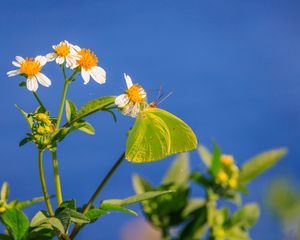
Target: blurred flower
[
  {"x": 130, "y": 102},
  {"x": 30, "y": 68},
  {"x": 228, "y": 173},
  {"x": 88, "y": 62},
  {"x": 64, "y": 51}
]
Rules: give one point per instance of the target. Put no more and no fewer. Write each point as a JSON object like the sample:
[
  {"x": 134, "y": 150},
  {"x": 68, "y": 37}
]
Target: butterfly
[{"x": 157, "y": 134}]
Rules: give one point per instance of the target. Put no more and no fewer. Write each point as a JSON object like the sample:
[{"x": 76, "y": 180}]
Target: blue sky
[{"x": 233, "y": 67}]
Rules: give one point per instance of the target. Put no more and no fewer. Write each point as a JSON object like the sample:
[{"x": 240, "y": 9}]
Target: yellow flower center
[
  {"x": 227, "y": 160},
  {"x": 88, "y": 59},
  {"x": 222, "y": 177},
  {"x": 62, "y": 50},
  {"x": 134, "y": 93},
  {"x": 232, "y": 183},
  {"x": 30, "y": 67}
]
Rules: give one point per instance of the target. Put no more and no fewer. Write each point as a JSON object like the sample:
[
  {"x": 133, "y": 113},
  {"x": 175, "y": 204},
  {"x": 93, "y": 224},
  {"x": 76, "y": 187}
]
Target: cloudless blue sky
[{"x": 233, "y": 67}]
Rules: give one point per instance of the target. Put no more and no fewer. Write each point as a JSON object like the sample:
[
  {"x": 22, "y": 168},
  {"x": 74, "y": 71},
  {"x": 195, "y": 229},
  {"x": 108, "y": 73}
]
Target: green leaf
[
  {"x": 71, "y": 110},
  {"x": 17, "y": 222},
  {"x": 107, "y": 206},
  {"x": 24, "y": 204},
  {"x": 141, "y": 185},
  {"x": 137, "y": 198},
  {"x": 205, "y": 155},
  {"x": 26, "y": 115},
  {"x": 259, "y": 164},
  {"x": 95, "y": 106},
  {"x": 57, "y": 224},
  {"x": 85, "y": 127},
  {"x": 95, "y": 213},
  {"x": 216, "y": 160},
  {"x": 24, "y": 141},
  {"x": 22, "y": 84},
  {"x": 192, "y": 205},
  {"x": 39, "y": 218},
  {"x": 5, "y": 237},
  {"x": 68, "y": 204},
  {"x": 4, "y": 191},
  {"x": 179, "y": 171},
  {"x": 246, "y": 217}
]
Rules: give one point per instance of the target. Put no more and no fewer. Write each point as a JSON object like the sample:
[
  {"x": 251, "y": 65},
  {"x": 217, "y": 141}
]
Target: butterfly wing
[{"x": 157, "y": 134}]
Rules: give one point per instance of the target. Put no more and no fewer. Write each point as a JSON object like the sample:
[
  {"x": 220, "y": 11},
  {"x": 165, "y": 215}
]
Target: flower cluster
[
  {"x": 84, "y": 60},
  {"x": 228, "y": 174},
  {"x": 42, "y": 127}
]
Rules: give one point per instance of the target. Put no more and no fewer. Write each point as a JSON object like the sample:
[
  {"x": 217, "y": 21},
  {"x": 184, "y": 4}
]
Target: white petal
[
  {"x": 51, "y": 56},
  {"x": 128, "y": 81},
  {"x": 85, "y": 75},
  {"x": 17, "y": 64},
  {"x": 135, "y": 110},
  {"x": 71, "y": 62},
  {"x": 13, "y": 73},
  {"x": 41, "y": 59},
  {"x": 20, "y": 59},
  {"x": 77, "y": 48},
  {"x": 43, "y": 79},
  {"x": 122, "y": 100},
  {"x": 32, "y": 84},
  {"x": 127, "y": 109},
  {"x": 60, "y": 60},
  {"x": 98, "y": 74}
]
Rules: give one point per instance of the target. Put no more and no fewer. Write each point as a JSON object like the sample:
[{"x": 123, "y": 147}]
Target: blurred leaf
[
  {"x": 192, "y": 205},
  {"x": 5, "y": 237},
  {"x": 85, "y": 127},
  {"x": 137, "y": 198},
  {"x": 198, "y": 178},
  {"x": 216, "y": 160},
  {"x": 107, "y": 206},
  {"x": 4, "y": 191},
  {"x": 95, "y": 213},
  {"x": 246, "y": 216},
  {"x": 17, "y": 222},
  {"x": 26, "y": 115},
  {"x": 71, "y": 110},
  {"x": 140, "y": 185},
  {"x": 259, "y": 164},
  {"x": 179, "y": 171},
  {"x": 205, "y": 155},
  {"x": 197, "y": 227}
]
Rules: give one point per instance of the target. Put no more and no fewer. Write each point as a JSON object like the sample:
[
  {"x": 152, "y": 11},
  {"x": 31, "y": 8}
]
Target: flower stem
[
  {"x": 39, "y": 100},
  {"x": 97, "y": 192},
  {"x": 57, "y": 179},
  {"x": 43, "y": 183}
]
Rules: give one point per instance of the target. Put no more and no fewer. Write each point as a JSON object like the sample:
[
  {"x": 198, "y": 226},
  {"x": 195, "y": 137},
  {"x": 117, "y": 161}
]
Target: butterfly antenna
[{"x": 163, "y": 99}]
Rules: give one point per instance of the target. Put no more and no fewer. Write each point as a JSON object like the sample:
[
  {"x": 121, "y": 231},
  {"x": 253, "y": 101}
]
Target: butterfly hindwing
[{"x": 157, "y": 134}]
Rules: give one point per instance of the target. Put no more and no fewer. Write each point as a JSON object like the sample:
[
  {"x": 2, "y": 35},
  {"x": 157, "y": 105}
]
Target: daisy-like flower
[
  {"x": 88, "y": 63},
  {"x": 132, "y": 100},
  {"x": 64, "y": 51},
  {"x": 31, "y": 69}
]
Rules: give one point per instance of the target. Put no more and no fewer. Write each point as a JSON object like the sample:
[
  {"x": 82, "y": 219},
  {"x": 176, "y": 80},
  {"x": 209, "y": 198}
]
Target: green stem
[
  {"x": 57, "y": 179},
  {"x": 39, "y": 100},
  {"x": 63, "y": 98},
  {"x": 97, "y": 192},
  {"x": 43, "y": 183},
  {"x": 165, "y": 234}
]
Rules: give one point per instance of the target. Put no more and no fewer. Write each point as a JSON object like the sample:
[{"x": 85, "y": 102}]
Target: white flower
[
  {"x": 30, "y": 68},
  {"x": 64, "y": 51},
  {"x": 132, "y": 100},
  {"x": 88, "y": 62}
]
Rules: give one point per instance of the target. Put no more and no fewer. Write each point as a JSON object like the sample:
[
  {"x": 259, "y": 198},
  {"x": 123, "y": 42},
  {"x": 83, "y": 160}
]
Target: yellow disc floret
[
  {"x": 232, "y": 183},
  {"x": 42, "y": 117},
  {"x": 135, "y": 93},
  {"x": 30, "y": 67},
  {"x": 62, "y": 50},
  {"x": 222, "y": 177},
  {"x": 87, "y": 59}
]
